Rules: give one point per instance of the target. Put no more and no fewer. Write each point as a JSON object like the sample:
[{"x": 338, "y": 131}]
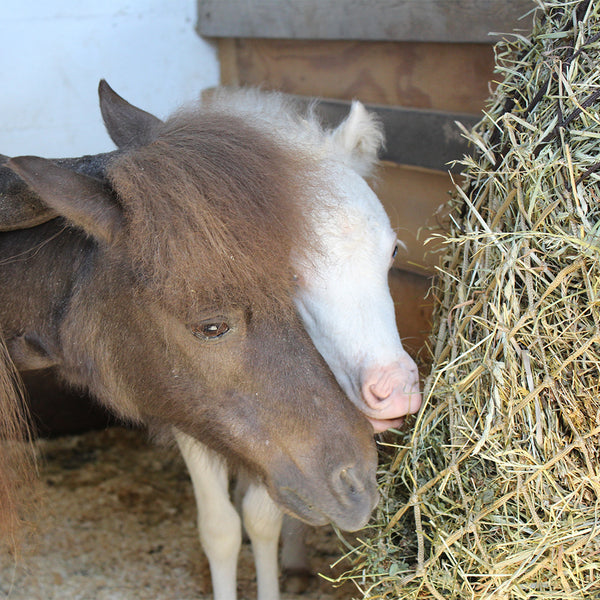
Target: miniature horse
[
  {"x": 165, "y": 290},
  {"x": 342, "y": 282},
  {"x": 342, "y": 296}
]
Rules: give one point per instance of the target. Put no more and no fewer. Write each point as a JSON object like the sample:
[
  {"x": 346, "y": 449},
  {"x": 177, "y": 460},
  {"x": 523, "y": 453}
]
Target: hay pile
[{"x": 496, "y": 491}]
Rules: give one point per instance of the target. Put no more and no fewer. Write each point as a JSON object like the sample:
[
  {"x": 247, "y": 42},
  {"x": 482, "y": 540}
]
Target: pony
[
  {"x": 341, "y": 294},
  {"x": 165, "y": 289}
]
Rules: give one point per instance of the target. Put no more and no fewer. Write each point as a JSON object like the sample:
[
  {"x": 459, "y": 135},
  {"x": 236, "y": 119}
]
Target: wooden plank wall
[
  {"x": 408, "y": 20},
  {"x": 385, "y": 70}
]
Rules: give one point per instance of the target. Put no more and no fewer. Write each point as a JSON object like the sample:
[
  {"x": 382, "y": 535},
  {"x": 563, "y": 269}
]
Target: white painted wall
[{"x": 54, "y": 52}]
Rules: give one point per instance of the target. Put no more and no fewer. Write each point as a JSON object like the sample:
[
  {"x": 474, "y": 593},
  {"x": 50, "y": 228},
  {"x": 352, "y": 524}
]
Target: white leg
[
  {"x": 219, "y": 525},
  {"x": 262, "y": 520}
]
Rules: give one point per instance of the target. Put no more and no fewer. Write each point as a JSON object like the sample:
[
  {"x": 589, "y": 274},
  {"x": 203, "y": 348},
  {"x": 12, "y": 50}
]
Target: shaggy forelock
[{"x": 213, "y": 211}]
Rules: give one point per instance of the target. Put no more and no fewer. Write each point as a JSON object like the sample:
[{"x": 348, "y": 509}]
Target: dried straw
[{"x": 495, "y": 492}]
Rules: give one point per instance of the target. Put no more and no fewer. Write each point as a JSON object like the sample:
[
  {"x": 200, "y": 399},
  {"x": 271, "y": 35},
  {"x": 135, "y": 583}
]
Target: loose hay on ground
[{"x": 495, "y": 493}]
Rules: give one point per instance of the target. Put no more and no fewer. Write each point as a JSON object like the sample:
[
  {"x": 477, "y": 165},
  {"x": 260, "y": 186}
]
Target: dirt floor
[{"x": 119, "y": 524}]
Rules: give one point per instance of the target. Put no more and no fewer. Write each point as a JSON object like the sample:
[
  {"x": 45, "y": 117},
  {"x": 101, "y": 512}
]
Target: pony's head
[
  {"x": 343, "y": 295},
  {"x": 179, "y": 308}
]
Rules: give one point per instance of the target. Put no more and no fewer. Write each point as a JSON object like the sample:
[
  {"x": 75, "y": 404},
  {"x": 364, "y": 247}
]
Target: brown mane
[{"x": 212, "y": 206}]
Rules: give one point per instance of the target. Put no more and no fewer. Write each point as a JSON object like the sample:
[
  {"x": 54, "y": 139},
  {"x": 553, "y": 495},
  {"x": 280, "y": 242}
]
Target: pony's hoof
[{"x": 297, "y": 581}]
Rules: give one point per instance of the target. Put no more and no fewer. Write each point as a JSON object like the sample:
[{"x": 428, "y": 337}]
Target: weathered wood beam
[
  {"x": 422, "y": 138},
  {"x": 391, "y": 20}
]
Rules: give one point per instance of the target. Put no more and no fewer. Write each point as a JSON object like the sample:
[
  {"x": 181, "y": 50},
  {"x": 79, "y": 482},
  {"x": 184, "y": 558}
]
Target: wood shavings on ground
[{"x": 118, "y": 522}]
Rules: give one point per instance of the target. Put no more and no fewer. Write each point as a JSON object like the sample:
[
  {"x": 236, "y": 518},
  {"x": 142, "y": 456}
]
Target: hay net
[{"x": 495, "y": 492}]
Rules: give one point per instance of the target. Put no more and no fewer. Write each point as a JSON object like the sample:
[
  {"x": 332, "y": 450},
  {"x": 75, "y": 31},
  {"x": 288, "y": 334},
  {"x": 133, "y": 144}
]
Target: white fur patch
[
  {"x": 355, "y": 141},
  {"x": 360, "y": 136}
]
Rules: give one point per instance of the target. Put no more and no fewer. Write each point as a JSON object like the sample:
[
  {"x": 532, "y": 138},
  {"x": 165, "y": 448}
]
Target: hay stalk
[{"x": 495, "y": 491}]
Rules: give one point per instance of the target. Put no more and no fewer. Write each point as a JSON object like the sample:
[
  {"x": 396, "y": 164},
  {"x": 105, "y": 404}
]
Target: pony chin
[{"x": 381, "y": 425}]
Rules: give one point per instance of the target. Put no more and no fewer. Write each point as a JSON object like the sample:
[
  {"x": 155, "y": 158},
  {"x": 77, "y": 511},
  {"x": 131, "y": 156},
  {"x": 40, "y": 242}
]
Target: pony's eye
[
  {"x": 210, "y": 331},
  {"x": 395, "y": 251}
]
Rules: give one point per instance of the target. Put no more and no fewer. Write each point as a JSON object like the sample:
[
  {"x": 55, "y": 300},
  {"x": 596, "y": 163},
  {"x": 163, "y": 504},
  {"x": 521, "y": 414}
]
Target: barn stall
[{"x": 420, "y": 79}]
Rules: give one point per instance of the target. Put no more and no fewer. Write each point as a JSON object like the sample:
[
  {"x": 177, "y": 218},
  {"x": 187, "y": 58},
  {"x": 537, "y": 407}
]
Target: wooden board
[
  {"x": 427, "y": 139},
  {"x": 415, "y": 201},
  {"x": 397, "y": 20},
  {"x": 413, "y": 309},
  {"x": 449, "y": 77}
]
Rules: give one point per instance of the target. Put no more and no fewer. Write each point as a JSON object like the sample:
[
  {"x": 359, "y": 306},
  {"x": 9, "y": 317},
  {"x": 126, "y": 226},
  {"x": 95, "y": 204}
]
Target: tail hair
[{"x": 17, "y": 456}]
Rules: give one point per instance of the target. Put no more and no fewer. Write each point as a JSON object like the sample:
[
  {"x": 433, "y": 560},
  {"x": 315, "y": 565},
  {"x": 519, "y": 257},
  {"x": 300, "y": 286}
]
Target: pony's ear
[
  {"x": 20, "y": 208},
  {"x": 126, "y": 124},
  {"x": 359, "y": 136},
  {"x": 84, "y": 201}
]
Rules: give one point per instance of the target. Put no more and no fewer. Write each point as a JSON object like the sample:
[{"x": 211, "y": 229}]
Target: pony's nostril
[
  {"x": 378, "y": 396},
  {"x": 348, "y": 481},
  {"x": 355, "y": 494},
  {"x": 348, "y": 485}
]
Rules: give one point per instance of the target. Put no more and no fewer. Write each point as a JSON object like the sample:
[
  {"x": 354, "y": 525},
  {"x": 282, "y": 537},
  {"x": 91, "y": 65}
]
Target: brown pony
[{"x": 165, "y": 291}]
